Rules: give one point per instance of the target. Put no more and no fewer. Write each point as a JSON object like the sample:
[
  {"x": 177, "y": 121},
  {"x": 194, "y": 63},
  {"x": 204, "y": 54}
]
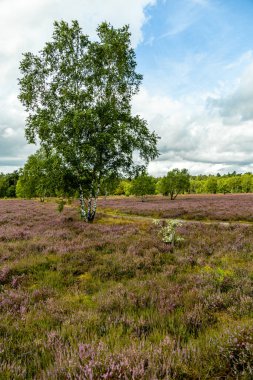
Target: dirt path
[{"x": 149, "y": 218}]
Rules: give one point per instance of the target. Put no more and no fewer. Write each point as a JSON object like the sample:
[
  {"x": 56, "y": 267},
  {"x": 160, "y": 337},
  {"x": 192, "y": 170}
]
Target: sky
[{"x": 196, "y": 58}]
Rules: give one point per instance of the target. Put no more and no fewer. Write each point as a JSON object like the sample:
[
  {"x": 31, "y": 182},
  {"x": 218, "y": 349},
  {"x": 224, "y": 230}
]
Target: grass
[{"x": 110, "y": 300}]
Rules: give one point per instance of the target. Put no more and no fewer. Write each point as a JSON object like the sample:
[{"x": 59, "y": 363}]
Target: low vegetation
[
  {"x": 112, "y": 300},
  {"x": 229, "y": 207}
]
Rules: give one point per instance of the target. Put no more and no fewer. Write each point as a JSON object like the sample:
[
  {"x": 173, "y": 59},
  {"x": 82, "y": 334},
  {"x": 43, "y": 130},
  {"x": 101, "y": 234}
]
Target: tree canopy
[
  {"x": 8, "y": 184},
  {"x": 143, "y": 185},
  {"x": 77, "y": 94},
  {"x": 175, "y": 182},
  {"x": 44, "y": 175}
]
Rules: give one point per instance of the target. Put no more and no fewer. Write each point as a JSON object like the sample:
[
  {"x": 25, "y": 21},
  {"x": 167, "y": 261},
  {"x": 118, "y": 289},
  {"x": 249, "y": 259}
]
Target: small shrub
[
  {"x": 61, "y": 203},
  {"x": 168, "y": 231}
]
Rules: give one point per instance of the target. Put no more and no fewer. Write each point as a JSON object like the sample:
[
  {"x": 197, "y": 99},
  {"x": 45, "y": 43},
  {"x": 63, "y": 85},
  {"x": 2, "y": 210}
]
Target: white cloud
[
  {"x": 8, "y": 132},
  {"x": 238, "y": 106},
  {"x": 25, "y": 26},
  {"x": 28, "y": 23},
  {"x": 203, "y": 135}
]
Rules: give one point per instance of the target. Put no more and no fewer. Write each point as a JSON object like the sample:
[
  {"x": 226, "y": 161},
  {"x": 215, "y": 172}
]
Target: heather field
[
  {"x": 228, "y": 207},
  {"x": 110, "y": 300}
]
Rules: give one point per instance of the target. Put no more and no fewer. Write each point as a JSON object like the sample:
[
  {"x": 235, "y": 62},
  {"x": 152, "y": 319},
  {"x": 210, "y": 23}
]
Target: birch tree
[{"x": 77, "y": 94}]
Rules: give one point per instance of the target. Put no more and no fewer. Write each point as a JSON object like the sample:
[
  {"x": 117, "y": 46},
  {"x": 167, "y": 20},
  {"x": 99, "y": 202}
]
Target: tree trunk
[
  {"x": 173, "y": 196},
  {"x": 82, "y": 204},
  {"x": 89, "y": 207},
  {"x": 92, "y": 207}
]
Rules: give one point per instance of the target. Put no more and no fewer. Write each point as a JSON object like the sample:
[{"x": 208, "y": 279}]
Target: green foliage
[
  {"x": 3, "y": 186},
  {"x": 44, "y": 175},
  {"x": 197, "y": 186},
  {"x": 8, "y": 184},
  {"x": 176, "y": 182},
  {"x": 78, "y": 97},
  {"x": 227, "y": 183},
  {"x": 211, "y": 185},
  {"x": 123, "y": 188},
  {"x": 223, "y": 186},
  {"x": 61, "y": 204},
  {"x": 247, "y": 183},
  {"x": 143, "y": 185},
  {"x": 109, "y": 185},
  {"x": 234, "y": 184}
]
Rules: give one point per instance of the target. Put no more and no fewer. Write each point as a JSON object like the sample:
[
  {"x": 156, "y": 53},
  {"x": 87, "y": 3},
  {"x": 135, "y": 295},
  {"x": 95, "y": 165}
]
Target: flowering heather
[
  {"x": 229, "y": 207},
  {"x": 111, "y": 300}
]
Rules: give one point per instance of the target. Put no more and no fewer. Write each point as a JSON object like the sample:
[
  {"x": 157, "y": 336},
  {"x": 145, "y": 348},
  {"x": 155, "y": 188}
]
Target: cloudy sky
[{"x": 197, "y": 60}]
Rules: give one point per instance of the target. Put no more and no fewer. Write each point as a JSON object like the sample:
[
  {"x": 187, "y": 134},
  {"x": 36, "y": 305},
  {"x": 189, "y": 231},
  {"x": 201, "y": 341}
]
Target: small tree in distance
[
  {"x": 142, "y": 186},
  {"x": 211, "y": 185},
  {"x": 123, "y": 188},
  {"x": 78, "y": 97},
  {"x": 176, "y": 182}
]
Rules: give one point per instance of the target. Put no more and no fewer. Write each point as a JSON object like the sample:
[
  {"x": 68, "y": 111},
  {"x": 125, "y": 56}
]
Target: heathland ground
[{"x": 111, "y": 300}]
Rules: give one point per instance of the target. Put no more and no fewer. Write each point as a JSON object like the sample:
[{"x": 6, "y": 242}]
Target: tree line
[
  {"x": 181, "y": 182},
  {"x": 43, "y": 176}
]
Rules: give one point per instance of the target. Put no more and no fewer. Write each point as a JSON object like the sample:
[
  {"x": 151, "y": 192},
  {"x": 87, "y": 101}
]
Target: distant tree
[
  {"x": 211, "y": 185},
  {"x": 78, "y": 97},
  {"x": 235, "y": 184},
  {"x": 223, "y": 185},
  {"x": 143, "y": 185},
  {"x": 123, "y": 188},
  {"x": 109, "y": 185},
  {"x": 3, "y": 185},
  {"x": 8, "y": 184},
  {"x": 197, "y": 186},
  {"x": 20, "y": 188},
  {"x": 11, "y": 191},
  {"x": 247, "y": 183},
  {"x": 176, "y": 182},
  {"x": 158, "y": 185}
]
